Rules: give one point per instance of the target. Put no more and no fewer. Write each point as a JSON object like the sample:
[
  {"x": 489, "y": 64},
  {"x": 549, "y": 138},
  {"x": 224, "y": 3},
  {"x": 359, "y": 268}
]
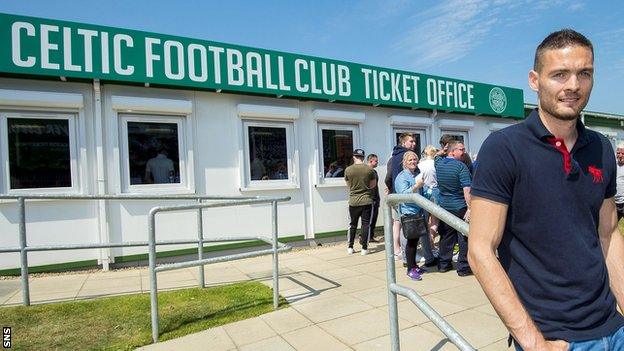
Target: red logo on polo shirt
[{"x": 596, "y": 173}]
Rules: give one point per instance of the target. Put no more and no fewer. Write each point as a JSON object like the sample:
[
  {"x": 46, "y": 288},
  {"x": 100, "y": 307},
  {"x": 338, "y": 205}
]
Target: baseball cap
[{"x": 359, "y": 152}]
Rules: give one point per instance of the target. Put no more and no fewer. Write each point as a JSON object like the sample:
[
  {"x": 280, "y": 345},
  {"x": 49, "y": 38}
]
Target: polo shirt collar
[{"x": 535, "y": 125}]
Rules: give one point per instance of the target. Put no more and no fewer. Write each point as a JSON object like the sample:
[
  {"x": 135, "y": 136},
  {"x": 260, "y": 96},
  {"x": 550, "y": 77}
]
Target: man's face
[
  {"x": 458, "y": 152},
  {"x": 619, "y": 155},
  {"x": 564, "y": 81},
  {"x": 409, "y": 143},
  {"x": 373, "y": 162}
]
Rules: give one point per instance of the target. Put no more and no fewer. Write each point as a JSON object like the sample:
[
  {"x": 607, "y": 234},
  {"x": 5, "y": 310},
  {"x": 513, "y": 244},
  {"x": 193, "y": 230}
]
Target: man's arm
[
  {"x": 486, "y": 231},
  {"x": 467, "y": 199},
  {"x": 613, "y": 248}
]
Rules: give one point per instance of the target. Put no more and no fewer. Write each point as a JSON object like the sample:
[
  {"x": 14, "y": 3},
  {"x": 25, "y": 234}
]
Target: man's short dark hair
[
  {"x": 445, "y": 139},
  {"x": 452, "y": 145},
  {"x": 559, "y": 40},
  {"x": 371, "y": 156}
]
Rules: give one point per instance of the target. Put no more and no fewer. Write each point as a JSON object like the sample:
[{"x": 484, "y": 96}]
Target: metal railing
[
  {"x": 153, "y": 269},
  {"x": 395, "y": 289},
  {"x": 23, "y": 248}
]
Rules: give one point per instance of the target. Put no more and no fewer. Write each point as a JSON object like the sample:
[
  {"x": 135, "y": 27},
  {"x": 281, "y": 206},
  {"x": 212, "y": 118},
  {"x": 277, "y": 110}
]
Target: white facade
[{"x": 213, "y": 143}]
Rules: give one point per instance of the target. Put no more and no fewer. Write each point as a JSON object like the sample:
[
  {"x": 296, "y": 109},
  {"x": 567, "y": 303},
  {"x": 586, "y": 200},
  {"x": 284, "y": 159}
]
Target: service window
[
  {"x": 460, "y": 136},
  {"x": 153, "y": 149},
  {"x": 419, "y": 137},
  {"x": 268, "y": 153},
  {"x": 39, "y": 152},
  {"x": 337, "y": 143}
]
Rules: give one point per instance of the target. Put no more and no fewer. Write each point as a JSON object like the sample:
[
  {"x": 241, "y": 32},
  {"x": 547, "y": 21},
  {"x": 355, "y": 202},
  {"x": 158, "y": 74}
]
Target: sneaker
[
  {"x": 421, "y": 270},
  {"x": 414, "y": 275},
  {"x": 444, "y": 269},
  {"x": 350, "y": 251},
  {"x": 364, "y": 252},
  {"x": 373, "y": 240}
]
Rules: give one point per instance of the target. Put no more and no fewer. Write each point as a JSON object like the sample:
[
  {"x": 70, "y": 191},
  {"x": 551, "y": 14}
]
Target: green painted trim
[
  {"x": 56, "y": 267},
  {"x": 603, "y": 122}
]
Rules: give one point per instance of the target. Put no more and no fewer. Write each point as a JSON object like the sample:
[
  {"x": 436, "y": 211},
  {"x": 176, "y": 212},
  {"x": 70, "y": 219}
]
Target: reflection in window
[
  {"x": 153, "y": 153},
  {"x": 337, "y": 151},
  {"x": 267, "y": 153},
  {"x": 39, "y": 153}
]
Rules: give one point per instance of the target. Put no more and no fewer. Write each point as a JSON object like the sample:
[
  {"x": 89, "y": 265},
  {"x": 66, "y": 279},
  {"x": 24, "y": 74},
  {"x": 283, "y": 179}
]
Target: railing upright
[{"x": 21, "y": 210}]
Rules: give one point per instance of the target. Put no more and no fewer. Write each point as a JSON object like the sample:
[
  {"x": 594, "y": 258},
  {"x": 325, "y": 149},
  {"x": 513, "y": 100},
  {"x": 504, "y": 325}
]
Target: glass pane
[
  {"x": 267, "y": 153},
  {"x": 39, "y": 154},
  {"x": 417, "y": 147},
  {"x": 337, "y": 151},
  {"x": 456, "y": 137},
  {"x": 153, "y": 153}
]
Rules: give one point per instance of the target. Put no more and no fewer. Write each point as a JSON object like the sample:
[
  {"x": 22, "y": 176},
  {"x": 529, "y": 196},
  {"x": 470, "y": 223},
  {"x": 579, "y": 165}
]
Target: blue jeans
[{"x": 613, "y": 342}]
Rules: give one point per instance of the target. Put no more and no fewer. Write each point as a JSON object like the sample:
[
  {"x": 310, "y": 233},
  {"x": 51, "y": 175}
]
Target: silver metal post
[
  {"x": 393, "y": 312},
  {"x": 21, "y": 210},
  {"x": 275, "y": 258},
  {"x": 200, "y": 245},
  {"x": 152, "y": 272}
]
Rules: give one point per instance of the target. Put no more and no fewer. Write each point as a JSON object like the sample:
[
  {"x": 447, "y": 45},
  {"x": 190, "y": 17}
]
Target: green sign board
[{"x": 42, "y": 47}]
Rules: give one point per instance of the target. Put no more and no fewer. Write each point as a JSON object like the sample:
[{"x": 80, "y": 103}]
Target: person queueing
[
  {"x": 372, "y": 160},
  {"x": 361, "y": 180},
  {"x": 619, "y": 195},
  {"x": 431, "y": 193},
  {"x": 406, "y": 183},
  {"x": 406, "y": 143}
]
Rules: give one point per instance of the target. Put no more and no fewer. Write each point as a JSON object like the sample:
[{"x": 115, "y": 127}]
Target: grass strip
[{"x": 123, "y": 322}]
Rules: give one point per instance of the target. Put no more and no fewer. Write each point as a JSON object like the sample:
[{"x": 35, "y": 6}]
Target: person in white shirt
[{"x": 159, "y": 169}]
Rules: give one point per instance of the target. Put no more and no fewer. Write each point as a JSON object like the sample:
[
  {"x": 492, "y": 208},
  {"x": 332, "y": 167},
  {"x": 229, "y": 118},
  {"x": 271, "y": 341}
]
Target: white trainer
[
  {"x": 364, "y": 252},
  {"x": 350, "y": 251}
]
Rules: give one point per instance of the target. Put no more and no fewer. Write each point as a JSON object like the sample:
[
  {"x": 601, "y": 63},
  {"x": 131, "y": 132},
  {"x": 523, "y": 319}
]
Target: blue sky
[{"x": 485, "y": 41}]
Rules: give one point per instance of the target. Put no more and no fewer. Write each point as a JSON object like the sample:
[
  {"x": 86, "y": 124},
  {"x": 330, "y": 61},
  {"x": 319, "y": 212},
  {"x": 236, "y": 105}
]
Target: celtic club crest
[{"x": 498, "y": 100}]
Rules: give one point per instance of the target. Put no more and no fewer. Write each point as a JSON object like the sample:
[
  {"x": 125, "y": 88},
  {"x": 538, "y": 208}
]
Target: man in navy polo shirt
[
  {"x": 543, "y": 197},
  {"x": 454, "y": 184}
]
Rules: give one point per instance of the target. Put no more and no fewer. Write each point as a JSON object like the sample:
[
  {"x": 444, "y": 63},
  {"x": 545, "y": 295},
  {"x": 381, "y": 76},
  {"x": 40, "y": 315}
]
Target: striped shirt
[{"x": 453, "y": 176}]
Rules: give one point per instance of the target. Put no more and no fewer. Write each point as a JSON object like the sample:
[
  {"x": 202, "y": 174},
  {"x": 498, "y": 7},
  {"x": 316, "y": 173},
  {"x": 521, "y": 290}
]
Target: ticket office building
[{"x": 66, "y": 129}]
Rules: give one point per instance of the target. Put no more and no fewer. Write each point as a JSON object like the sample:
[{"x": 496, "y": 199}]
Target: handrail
[
  {"x": 153, "y": 269},
  {"x": 23, "y": 247},
  {"x": 396, "y": 289}
]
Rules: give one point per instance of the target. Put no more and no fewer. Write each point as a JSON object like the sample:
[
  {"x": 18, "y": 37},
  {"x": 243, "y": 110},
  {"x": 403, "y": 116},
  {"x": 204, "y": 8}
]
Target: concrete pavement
[{"x": 337, "y": 302}]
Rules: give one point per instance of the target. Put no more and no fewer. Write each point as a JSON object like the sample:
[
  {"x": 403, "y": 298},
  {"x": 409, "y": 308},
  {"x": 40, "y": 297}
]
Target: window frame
[
  {"x": 124, "y": 153},
  {"x": 74, "y": 151},
  {"x": 355, "y": 129},
  {"x": 292, "y": 181}
]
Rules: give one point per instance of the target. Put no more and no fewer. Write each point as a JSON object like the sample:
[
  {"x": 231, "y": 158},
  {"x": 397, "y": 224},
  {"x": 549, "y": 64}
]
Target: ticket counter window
[
  {"x": 153, "y": 153},
  {"x": 39, "y": 152},
  {"x": 337, "y": 151},
  {"x": 268, "y": 153}
]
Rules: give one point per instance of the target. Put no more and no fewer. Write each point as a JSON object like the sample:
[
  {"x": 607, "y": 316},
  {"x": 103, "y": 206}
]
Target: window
[
  {"x": 40, "y": 152},
  {"x": 462, "y": 137},
  {"x": 154, "y": 151},
  {"x": 268, "y": 153},
  {"x": 337, "y": 143},
  {"x": 419, "y": 137}
]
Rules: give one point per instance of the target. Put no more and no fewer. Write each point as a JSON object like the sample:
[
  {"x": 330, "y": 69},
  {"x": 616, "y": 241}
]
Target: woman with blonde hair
[{"x": 406, "y": 183}]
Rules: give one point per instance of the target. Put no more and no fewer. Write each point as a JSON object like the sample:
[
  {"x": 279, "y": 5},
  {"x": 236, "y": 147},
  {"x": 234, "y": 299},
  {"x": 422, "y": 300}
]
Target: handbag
[{"x": 414, "y": 226}]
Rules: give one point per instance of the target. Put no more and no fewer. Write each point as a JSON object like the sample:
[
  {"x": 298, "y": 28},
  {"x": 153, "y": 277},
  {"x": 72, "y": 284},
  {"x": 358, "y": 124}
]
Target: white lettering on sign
[
  {"x": 449, "y": 94},
  {"x": 88, "y": 36},
  {"x": 128, "y": 42},
  {"x": 390, "y": 86},
  {"x": 150, "y": 56},
  {"x": 254, "y": 69},
  {"x": 203, "y": 63},
  {"x": 179, "y": 54},
  {"x": 300, "y": 65},
  {"x": 234, "y": 66},
  {"x": 16, "y": 44},
  {"x": 344, "y": 81},
  {"x": 67, "y": 52},
  {"x": 280, "y": 69},
  {"x": 216, "y": 59},
  {"x": 46, "y": 46},
  {"x": 105, "y": 63}
]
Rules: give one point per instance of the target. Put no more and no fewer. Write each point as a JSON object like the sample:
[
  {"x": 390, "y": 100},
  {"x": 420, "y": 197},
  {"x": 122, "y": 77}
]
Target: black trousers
[
  {"x": 355, "y": 212},
  {"x": 448, "y": 238},
  {"x": 410, "y": 252},
  {"x": 620, "y": 211},
  {"x": 373, "y": 221}
]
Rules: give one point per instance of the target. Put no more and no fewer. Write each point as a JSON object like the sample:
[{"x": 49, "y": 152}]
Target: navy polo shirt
[{"x": 550, "y": 247}]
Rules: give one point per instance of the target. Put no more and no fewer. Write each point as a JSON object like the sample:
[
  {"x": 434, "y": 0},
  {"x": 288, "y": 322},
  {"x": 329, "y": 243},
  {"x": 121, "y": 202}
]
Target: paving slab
[
  {"x": 213, "y": 339},
  {"x": 285, "y": 320},
  {"x": 331, "y": 307},
  {"x": 313, "y": 338},
  {"x": 249, "y": 331}
]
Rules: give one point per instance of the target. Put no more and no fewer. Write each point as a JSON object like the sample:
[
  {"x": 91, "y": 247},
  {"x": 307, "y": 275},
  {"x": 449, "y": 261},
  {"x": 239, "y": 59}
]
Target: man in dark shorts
[
  {"x": 542, "y": 198},
  {"x": 361, "y": 180},
  {"x": 372, "y": 160}
]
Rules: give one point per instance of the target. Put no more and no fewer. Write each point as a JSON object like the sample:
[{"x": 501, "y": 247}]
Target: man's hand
[
  {"x": 467, "y": 216},
  {"x": 386, "y": 191},
  {"x": 557, "y": 345}
]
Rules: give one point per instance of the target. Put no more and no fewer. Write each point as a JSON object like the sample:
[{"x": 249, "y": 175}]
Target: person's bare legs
[{"x": 396, "y": 232}]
